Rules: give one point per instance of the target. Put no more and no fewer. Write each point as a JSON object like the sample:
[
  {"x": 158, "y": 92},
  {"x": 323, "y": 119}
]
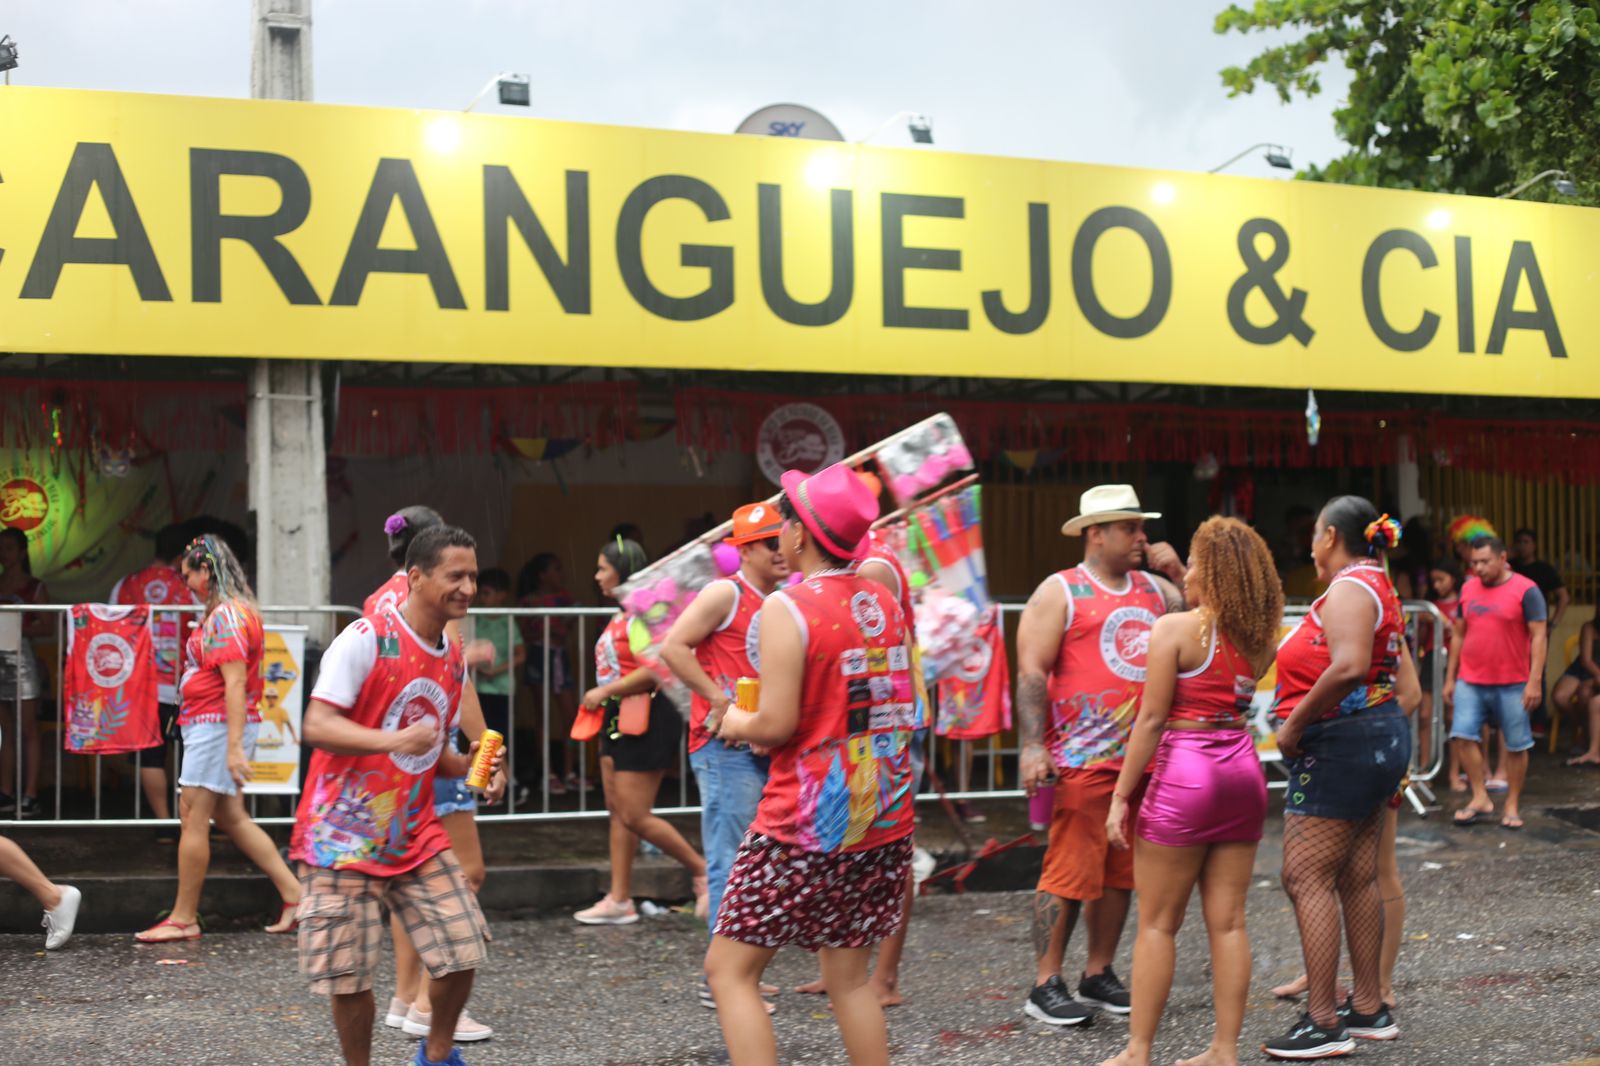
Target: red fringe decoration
[{"x": 378, "y": 421}]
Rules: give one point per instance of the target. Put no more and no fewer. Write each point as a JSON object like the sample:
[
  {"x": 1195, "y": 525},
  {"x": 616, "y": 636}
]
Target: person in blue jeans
[
  {"x": 1496, "y": 674},
  {"x": 711, "y": 645}
]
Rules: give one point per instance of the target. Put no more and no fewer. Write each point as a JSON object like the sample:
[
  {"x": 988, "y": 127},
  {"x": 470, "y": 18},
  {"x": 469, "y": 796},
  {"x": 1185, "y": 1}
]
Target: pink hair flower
[{"x": 394, "y": 524}]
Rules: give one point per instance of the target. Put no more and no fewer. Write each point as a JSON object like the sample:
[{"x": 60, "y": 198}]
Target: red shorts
[{"x": 1080, "y": 864}]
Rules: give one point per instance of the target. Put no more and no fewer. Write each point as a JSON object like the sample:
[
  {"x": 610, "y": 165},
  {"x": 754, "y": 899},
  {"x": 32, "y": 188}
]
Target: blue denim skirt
[{"x": 1349, "y": 766}]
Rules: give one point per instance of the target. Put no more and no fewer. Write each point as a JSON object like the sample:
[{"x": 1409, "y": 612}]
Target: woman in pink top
[{"x": 1206, "y": 801}]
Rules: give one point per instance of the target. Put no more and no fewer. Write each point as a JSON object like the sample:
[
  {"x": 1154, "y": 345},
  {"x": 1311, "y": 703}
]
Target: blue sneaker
[{"x": 422, "y": 1059}]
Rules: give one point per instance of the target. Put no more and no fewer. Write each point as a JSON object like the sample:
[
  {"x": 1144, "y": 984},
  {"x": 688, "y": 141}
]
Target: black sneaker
[
  {"x": 1379, "y": 1026},
  {"x": 1052, "y": 1004},
  {"x": 30, "y": 807},
  {"x": 1104, "y": 990},
  {"x": 1308, "y": 1040}
]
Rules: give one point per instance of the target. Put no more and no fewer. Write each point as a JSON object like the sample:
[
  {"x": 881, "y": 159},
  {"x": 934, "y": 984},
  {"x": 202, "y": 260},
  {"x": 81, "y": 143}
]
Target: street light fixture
[
  {"x": 919, "y": 126},
  {"x": 8, "y": 56},
  {"x": 1276, "y": 155},
  {"x": 514, "y": 90},
  {"x": 1563, "y": 183}
]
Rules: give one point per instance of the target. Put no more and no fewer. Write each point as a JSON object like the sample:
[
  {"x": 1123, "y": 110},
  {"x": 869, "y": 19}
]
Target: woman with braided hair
[
  {"x": 1203, "y": 810},
  {"x": 1343, "y": 675},
  {"x": 219, "y": 715}
]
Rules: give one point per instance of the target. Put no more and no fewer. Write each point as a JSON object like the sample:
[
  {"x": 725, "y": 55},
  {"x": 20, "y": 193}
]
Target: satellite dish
[{"x": 790, "y": 120}]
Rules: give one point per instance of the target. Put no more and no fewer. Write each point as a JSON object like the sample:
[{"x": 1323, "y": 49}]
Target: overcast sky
[{"x": 1131, "y": 83}]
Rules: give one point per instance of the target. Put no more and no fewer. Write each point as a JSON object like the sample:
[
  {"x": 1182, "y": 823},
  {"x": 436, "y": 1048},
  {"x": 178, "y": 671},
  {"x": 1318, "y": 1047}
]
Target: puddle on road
[{"x": 1584, "y": 818}]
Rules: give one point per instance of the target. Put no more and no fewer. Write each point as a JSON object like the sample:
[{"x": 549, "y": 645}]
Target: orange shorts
[{"x": 1080, "y": 864}]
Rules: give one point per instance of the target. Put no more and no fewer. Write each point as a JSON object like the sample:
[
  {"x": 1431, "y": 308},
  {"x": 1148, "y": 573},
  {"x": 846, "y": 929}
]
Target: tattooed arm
[
  {"x": 1038, "y": 644},
  {"x": 1170, "y": 593}
]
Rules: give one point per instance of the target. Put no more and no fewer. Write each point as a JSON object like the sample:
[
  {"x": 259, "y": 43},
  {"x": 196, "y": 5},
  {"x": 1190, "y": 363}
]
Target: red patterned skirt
[{"x": 779, "y": 895}]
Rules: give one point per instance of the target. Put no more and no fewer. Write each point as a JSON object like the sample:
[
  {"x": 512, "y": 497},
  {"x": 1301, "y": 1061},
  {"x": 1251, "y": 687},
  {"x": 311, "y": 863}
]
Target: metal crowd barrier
[{"x": 531, "y": 799}]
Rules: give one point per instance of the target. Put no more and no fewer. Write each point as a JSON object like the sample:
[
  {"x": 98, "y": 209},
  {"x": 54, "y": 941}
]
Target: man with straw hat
[{"x": 1081, "y": 648}]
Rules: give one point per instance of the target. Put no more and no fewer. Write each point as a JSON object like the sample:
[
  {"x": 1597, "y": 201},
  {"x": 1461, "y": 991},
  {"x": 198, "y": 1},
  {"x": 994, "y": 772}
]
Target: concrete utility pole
[{"x": 287, "y": 458}]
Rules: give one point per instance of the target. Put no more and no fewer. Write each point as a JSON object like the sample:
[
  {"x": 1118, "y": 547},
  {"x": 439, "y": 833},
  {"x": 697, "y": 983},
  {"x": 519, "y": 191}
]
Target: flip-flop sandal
[
  {"x": 1513, "y": 824},
  {"x": 146, "y": 938},
  {"x": 1470, "y": 819}
]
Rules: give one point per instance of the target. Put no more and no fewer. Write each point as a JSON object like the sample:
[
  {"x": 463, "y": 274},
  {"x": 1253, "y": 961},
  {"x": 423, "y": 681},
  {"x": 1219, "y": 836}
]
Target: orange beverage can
[
  {"x": 747, "y": 693},
  {"x": 489, "y": 746}
]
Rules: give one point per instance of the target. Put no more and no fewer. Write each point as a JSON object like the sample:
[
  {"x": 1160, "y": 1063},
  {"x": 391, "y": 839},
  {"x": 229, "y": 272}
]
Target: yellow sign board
[
  {"x": 154, "y": 225},
  {"x": 275, "y": 762}
]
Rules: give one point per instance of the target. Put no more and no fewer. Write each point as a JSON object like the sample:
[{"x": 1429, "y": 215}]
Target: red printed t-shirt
[
  {"x": 613, "y": 654},
  {"x": 1219, "y": 690},
  {"x": 1098, "y": 678},
  {"x": 230, "y": 634},
  {"x": 160, "y": 585},
  {"x": 373, "y": 814},
  {"x": 729, "y": 653},
  {"x": 1495, "y": 649},
  {"x": 1303, "y": 656},
  {"x": 391, "y": 593},
  {"x": 842, "y": 782}
]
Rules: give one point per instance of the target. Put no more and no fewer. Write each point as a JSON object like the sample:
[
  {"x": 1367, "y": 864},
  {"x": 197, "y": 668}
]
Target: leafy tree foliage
[{"x": 1463, "y": 96}]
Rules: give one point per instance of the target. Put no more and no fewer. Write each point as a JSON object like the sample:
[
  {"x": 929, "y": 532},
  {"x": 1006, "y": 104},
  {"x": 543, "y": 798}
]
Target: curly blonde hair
[{"x": 1239, "y": 587}]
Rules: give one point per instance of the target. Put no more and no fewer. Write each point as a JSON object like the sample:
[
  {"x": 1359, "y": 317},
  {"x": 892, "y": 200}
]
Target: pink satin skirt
[{"x": 1206, "y": 787}]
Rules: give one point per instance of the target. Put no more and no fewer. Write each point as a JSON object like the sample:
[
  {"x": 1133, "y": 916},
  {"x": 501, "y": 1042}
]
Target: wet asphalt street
[{"x": 1501, "y": 965}]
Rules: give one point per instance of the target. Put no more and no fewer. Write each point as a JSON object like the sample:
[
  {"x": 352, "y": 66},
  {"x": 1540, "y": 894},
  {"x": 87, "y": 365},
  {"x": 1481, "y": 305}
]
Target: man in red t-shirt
[
  {"x": 1496, "y": 674},
  {"x": 386, "y": 700}
]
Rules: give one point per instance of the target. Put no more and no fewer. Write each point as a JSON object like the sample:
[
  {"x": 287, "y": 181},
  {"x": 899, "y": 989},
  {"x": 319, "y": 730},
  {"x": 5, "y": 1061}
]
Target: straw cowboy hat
[{"x": 1106, "y": 503}]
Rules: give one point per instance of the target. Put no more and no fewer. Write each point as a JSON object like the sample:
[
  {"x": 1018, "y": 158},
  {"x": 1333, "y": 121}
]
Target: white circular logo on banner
[
  {"x": 1125, "y": 641},
  {"x": 798, "y": 436},
  {"x": 423, "y": 700},
  {"x": 110, "y": 659},
  {"x": 868, "y": 613},
  {"x": 752, "y": 642},
  {"x": 973, "y": 667}
]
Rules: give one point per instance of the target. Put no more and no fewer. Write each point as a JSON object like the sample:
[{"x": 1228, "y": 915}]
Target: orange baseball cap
[{"x": 754, "y": 521}]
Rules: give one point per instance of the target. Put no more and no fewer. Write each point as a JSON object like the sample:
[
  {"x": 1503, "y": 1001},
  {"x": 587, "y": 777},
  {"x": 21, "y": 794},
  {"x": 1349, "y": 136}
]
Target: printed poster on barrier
[{"x": 275, "y": 764}]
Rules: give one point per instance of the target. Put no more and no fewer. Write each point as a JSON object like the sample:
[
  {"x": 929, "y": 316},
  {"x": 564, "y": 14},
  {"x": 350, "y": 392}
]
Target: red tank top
[
  {"x": 843, "y": 781},
  {"x": 613, "y": 654},
  {"x": 111, "y": 682},
  {"x": 230, "y": 634},
  {"x": 374, "y": 813},
  {"x": 879, "y": 549},
  {"x": 728, "y": 654},
  {"x": 160, "y": 585},
  {"x": 391, "y": 593},
  {"x": 1303, "y": 656},
  {"x": 1099, "y": 674},
  {"x": 1217, "y": 692}
]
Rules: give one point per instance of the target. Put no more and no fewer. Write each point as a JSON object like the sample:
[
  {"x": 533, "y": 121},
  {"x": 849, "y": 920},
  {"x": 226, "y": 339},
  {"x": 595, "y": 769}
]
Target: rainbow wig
[{"x": 1469, "y": 527}]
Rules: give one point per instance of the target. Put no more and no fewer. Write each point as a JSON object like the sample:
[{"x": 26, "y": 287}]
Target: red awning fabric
[
  {"x": 722, "y": 420},
  {"x": 393, "y": 421}
]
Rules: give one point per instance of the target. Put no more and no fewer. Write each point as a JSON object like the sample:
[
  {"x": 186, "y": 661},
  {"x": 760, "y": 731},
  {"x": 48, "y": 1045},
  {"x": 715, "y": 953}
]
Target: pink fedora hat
[{"x": 836, "y": 506}]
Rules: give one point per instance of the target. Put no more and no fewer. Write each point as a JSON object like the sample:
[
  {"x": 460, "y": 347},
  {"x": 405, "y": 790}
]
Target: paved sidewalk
[{"x": 1501, "y": 965}]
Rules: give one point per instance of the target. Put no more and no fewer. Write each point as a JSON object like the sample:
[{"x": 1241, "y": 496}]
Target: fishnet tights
[{"x": 1329, "y": 862}]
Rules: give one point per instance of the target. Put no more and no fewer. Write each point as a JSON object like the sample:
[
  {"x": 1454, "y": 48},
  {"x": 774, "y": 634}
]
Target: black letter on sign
[
  {"x": 1089, "y": 233},
  {"x": 1465, "y": 330},
  {"x": 717, "y": 296},
  {"x": 897, "y": 259},
  {"x": 503, "y": 202},
  {"x": 1541, "y": 318},
  {"x": 1372, "y": 296},
  {"x": 209, "y": 227},
  {"x": 1038, "y": 309},
  {"x": 777, "y": 295},
  {"x": 1260, "y": 274},
  {"x": 94, "y": 165},
  {"x": 396, "y": 179}
]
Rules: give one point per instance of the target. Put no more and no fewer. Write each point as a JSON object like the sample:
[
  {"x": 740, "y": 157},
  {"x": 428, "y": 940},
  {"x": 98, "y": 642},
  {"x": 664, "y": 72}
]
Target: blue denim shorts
[
  {"x": 1496, "y": 705},
  {"x": 451, "y": 794},
  {"x": 1349, "y": 766},
  {"x": 205, "y": 756}
]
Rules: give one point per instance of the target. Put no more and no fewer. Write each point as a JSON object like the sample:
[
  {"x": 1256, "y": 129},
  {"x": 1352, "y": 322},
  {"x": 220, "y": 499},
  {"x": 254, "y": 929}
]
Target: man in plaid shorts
[{"x": 366, "y": 837}]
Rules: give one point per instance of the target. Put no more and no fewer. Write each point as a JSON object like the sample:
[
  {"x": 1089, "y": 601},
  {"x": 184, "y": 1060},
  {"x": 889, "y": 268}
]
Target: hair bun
[{"x": 1383, "y": 533}]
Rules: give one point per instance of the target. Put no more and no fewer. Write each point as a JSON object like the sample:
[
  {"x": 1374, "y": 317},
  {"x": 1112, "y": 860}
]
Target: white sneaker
[
  {"x": 468, "y": 1031},
  {"x": 608, "y": 912},
  {"x": 59, "y": 920},
  {"x": 396, "y": 1018}
]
